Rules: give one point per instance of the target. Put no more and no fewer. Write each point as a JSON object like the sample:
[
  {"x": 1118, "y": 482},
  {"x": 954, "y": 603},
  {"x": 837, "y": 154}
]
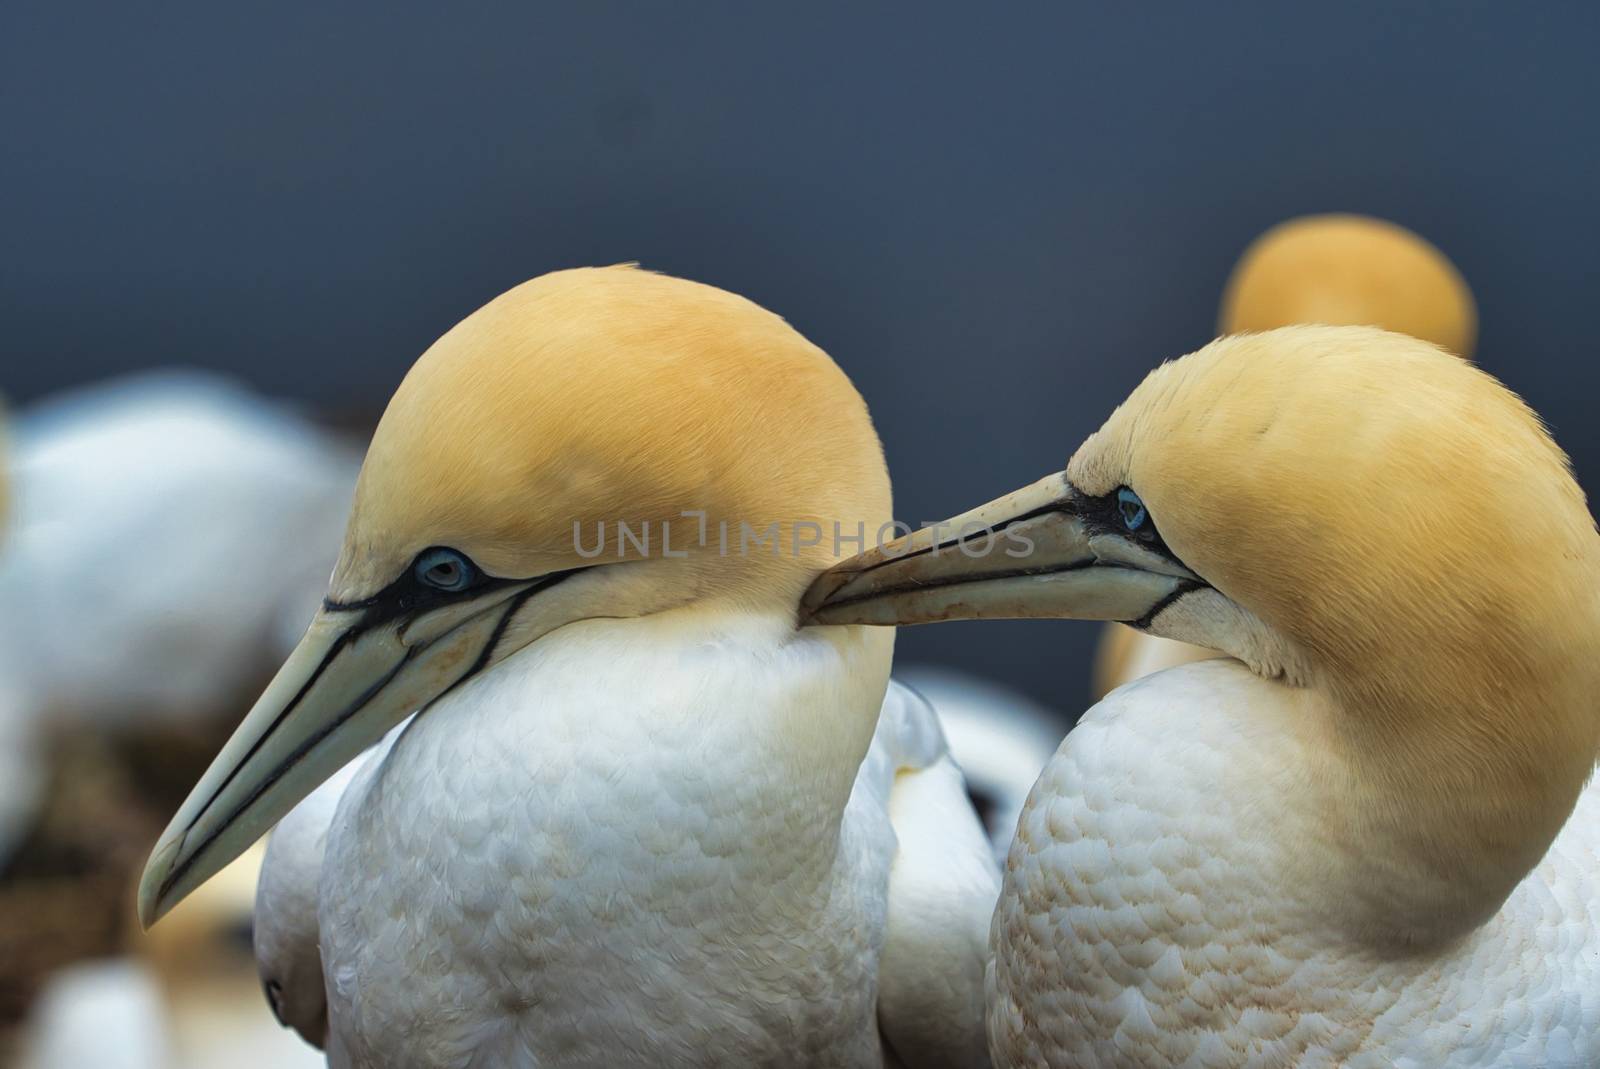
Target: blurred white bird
[
  {"x": 119, "y": 1013},
  {"x": 169, "y": 534},
  {"x": 105, "y": 1014},
  {"x": 1000, "y": 739}
]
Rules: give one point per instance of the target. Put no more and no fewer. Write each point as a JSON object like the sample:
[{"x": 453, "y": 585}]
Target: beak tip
[
  {"x": 154, "y": 899},
  {"x": 149, "y": 908},
  {"x": 822, "y": 589}
]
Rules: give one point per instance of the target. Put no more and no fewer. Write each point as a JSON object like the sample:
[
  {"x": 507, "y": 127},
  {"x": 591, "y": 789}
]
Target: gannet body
[
  {"x": 1366, "y": 838},
  {"x": 640, "y": 818},
  {"x": 1181, "y": 929},
  {"x": 660, "y": 976},
  {"x": 908, "y": 803},
  {"x": 1334, "y": 270}
]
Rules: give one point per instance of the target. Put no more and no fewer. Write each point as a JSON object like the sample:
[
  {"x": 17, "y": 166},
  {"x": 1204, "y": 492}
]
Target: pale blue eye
[
  {"x": 1132, "y": 509},
  {"x": 444, "y": 569}
]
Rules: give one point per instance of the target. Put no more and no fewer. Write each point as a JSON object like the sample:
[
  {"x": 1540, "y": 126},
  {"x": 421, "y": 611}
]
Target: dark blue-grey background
[{"x": 995, "y": 218}]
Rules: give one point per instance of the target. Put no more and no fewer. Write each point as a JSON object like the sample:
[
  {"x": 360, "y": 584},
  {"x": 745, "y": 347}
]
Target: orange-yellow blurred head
[{"x": 1350, "y": 270}]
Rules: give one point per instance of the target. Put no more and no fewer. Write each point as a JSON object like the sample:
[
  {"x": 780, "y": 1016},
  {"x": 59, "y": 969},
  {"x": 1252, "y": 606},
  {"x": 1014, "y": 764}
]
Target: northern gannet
[
  {"x": 1336, "y": 270},
  {"x": 1364, "y": 838},
  {"x": 637, "y": 819}
]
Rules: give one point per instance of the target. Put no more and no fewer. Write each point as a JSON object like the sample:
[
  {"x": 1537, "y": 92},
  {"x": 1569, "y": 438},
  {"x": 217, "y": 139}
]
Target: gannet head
[
  {"x": 1356, "y": 514},
  {"x": 594, "y": 443},
  {"x": 1350, "y": 270},
  {"x": 1335, "y": 270}
]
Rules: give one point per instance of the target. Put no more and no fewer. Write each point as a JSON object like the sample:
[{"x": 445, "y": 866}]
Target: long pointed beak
[
  {"x": 351, "y": 679},
  {"x": 1039, "y": 552}
]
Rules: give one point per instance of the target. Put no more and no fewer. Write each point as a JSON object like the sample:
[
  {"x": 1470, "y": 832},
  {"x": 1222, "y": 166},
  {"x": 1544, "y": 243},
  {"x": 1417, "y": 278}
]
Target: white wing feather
[
  {"x": 287, "y": 937},
  {"x": 942, "y": 890}
]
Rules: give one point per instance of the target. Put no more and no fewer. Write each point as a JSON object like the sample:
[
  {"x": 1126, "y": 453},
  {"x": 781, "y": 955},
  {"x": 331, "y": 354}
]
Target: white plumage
[
  {"x": 709, "y": 865},
  {"x": 285, "y": 932},
  {"x": 1155, "y": 879}
]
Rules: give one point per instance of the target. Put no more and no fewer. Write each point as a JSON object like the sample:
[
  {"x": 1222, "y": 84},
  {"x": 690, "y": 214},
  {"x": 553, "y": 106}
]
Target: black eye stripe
[
  {"x": 409, "y": 594},
  {"x": 378, "y": 609}
]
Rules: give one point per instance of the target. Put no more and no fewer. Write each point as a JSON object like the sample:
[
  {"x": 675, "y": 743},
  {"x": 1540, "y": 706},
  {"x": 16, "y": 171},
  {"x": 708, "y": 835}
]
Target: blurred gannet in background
[
  {"x": 637, "y": 820},
  {"x": 999, "y": 738},
  {"x": 1350, "y": 270},
  {"x": 108, "y": 1015},
  {"x": 117, "y": 1013},
  {"x": 1353, "y": 840},
  {"x": 1337, "y": 270},
  {"x": 133, "y": 606},
  {"x": 145, "y": 513},
  {"x": 20, "y": 775}
]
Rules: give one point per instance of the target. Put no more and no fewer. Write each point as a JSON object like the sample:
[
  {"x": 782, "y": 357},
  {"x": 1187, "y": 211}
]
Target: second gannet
[
  {"x": 1368, "y": 837},
  {"x": 640, "y": 819},
  {"x": 1335, "y": 270}
]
